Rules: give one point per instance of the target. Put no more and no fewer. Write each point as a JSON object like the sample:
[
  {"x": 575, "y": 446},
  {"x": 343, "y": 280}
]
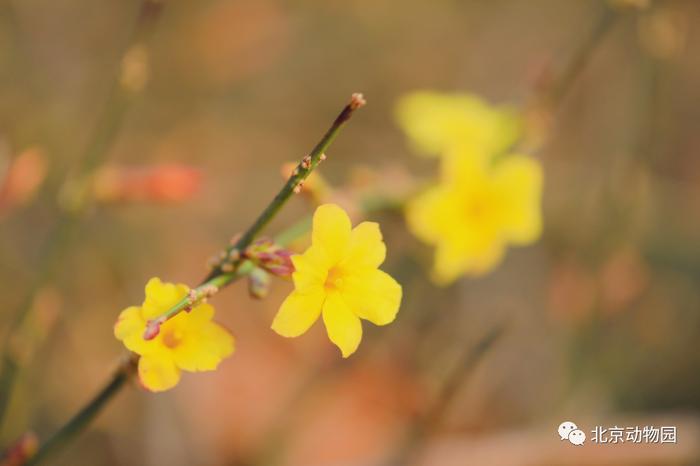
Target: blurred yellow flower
[
  {"x": 190, "y": 341},
  {"x": 478, "y": 208},
  {"x": 445, "y": 124},
  {"x": 338, "y": 277}
]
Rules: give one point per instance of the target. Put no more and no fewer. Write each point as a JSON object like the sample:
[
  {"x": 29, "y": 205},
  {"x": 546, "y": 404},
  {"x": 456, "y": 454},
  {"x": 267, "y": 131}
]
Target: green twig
[
  {"x": 300, "y": 173},
  {"x": 233, "y": 258},
  {"x": 81, "y": 419},
  {"x": 219, "y": 279}
]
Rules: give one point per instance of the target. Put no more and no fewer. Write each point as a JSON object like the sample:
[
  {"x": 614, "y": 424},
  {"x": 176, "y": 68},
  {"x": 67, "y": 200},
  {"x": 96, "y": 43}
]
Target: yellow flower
[
  {"x": 477, "y": 209},
  {"x": 190, "y": 341},
  {"x": 338, "y": 277},
  {"x": 446, "y": 124}
]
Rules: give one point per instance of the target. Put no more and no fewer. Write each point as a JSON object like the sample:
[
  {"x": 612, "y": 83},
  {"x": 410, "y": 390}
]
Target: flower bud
[
  {"x": 271, "y": 257},
  {"x": 258, "y": 283},
  {"x": 153, "y": 328}
]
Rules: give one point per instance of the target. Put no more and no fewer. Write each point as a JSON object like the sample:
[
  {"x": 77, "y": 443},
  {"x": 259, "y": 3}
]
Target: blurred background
[{"x": 182, "y": 114}]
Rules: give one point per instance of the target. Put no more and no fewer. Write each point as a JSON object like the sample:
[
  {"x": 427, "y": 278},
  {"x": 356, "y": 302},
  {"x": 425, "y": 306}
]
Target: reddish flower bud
[
  {"x": 271, "y": 257},
  {"x": 153, "y": 328}
]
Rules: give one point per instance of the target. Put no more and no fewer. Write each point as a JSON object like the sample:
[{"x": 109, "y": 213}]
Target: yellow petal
[
  {"x": 343, "y": 326},
  {"x": 455, "y": 259},
  {"x": 366, "y": 248},
  {"x": 199, "y": 315},
  {"x": 129, "y": 329},
  {"x": 372, "y": 295},
  {"x": 298, "y": 313},
  {"x": 427, "y": 118},
  {"x": 310, "y": 269},
  {"x": 436, "y": 123},
  {"x": 519, "y": 178},
  {"x": 161, "y": 296},
  {"x": 157, "y": 371},
  {"x": 203, "y": 348},
  {"x": 331, "y": 231},
  {"x": 428, "y": 213}
]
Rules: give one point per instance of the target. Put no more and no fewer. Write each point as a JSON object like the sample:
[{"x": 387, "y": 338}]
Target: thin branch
[
  {"x": 430, "y": 420},
  {"x": 560, "y": 88},
  {"x": 83, "y": 417},
  {"x": 217, "y": 279},
  {"x": 233, "y": 260},
  {"x": 100, "y": 141}
]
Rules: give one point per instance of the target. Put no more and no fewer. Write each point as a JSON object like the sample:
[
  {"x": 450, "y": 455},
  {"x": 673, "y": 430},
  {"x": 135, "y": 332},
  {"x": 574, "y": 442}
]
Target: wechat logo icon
[{"x": 570, "y": 431}]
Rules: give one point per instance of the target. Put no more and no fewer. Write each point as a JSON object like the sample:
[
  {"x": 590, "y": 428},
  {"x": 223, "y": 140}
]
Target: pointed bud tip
[
  {"x": 152, "y": 329},
  {"x": 357, "y": 100}
]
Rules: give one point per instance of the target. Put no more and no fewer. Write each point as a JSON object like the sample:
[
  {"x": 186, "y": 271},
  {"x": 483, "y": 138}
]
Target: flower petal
[
  {"x": 519, "y": 178},
  {"x": 331, "y": 231},
  {"x": 373, "y": 295},
  {"x": 454, "y": 259},
  {"x": 129, "y": 329},
  {"x": 161, "y": 296},
  {"x": 199, "y": 315},
  {"x": 429, "y": 213},
  {"x": 157, "y": 371},
  {"x": 428, "y": 119},
  {"x": 343, "y": 326},
  {"x": 310, "y": 269},
  {"x": 366, "y": 248},
  {"x": 298, "y": 313},
  {"x": 437, "y": 122},
  {"x": 203, "y": 348}
]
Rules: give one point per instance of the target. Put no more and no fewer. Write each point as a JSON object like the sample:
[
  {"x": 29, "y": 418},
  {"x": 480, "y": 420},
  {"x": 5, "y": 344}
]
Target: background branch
[{"x": 101, "y": 139}]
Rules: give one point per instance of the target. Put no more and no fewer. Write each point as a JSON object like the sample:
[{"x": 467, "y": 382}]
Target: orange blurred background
[{"x": 601, "y": 316}]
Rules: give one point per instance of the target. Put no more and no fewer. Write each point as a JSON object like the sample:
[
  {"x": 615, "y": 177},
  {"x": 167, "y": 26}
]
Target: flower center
[
  {"x": 334, "y": 279},
  {"x": 172, "y": 337},
  {"x": 476, "y": 208}
]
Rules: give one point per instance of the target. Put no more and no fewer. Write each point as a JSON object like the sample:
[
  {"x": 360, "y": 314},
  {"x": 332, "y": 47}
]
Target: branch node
[
  {"x": 226, "y": 267},
  {"x": 306, "y": 162},
  {"x": 233, "y": 255}
]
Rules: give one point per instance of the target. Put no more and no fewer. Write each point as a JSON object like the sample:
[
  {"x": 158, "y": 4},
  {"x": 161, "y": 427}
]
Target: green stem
[
  {"x": 581, "y": 57},
  {"x": 302, "y": 171},
  {"x": 101, "y": 139},
  {"x": 224, "y": 279},
  {"x": 427, "y": 423},
  {"x": 219, "y": 279},
  {"x": 81, "y": 419}
]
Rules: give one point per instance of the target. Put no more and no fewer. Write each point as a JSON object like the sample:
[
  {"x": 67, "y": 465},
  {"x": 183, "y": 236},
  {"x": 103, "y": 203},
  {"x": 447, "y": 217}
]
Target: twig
[
  {"x": 218, "y": 279},
  {"x": 580, "y": 58},
  {"x": 233, "y": 255},
  {"x": 83, "y": 417},
  {"x": 427, "y": 423},
  {"x": 101, "y": 139}
]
